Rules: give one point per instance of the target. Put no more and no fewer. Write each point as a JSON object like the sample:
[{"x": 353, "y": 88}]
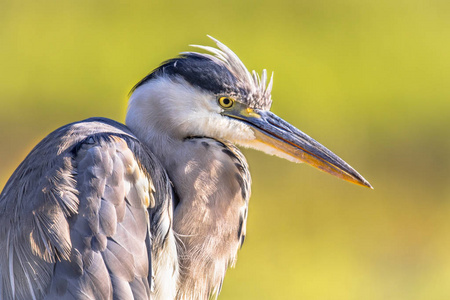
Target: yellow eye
[{"x": 226, "y": 102}]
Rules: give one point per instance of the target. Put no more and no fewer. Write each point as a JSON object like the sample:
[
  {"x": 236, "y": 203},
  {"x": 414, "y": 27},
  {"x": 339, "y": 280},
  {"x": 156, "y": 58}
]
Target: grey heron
[{"x": 156, "y": 208}]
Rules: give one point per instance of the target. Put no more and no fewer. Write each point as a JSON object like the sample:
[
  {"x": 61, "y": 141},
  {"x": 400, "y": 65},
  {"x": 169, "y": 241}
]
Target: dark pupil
[{"x": 226, "y": 101}]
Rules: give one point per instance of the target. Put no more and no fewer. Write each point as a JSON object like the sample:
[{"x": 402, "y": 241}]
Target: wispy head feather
[
  {"x": 260, "y": 91},
  {"x": 220, "y": 71}
]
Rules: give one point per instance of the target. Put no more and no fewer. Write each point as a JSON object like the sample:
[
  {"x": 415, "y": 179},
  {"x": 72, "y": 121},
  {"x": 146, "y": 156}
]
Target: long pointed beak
[{"x": 282, "y": 136}]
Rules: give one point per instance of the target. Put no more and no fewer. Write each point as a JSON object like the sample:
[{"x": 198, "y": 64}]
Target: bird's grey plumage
[
  {"x": 156, "y": 209},
  {"x": 77, "y": 206},
  {"x": 214, "y": 190},
  {"x": 84, "y": 230}
]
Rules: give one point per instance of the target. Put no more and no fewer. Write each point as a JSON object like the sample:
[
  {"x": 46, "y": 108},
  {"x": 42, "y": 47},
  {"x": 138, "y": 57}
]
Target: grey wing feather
[{"x": 78, "y": 215}]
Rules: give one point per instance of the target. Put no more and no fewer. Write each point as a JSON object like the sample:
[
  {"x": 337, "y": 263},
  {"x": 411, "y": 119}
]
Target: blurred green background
[{"x": 368, "y": 79}]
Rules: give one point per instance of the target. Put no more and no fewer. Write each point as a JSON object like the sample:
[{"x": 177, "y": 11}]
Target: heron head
[{"x": 214, "y": 95}]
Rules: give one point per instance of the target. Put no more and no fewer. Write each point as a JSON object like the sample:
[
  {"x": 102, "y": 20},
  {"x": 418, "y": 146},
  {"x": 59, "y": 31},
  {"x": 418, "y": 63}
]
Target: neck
[
  {"x": 209, "y": 218},
  {"x": 150, "y": 118},
  {"x": 211, "y": 180}
]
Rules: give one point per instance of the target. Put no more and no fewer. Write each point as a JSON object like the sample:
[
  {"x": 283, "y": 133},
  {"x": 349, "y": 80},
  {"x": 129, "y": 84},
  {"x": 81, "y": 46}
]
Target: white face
[{"x": 175, "y": 108}]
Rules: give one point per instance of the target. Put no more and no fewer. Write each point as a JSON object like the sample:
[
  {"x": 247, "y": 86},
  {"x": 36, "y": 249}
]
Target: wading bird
[{"x": 156, "y": 209}]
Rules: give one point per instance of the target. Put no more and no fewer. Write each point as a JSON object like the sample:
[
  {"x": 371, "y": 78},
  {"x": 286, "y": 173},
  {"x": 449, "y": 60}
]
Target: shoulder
[
  {"x": 55, "y": 161},
  {"x": 91, "y": 180}
]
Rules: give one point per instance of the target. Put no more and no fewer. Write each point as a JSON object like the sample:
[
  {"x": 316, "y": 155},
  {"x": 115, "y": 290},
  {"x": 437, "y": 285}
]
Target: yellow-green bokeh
[{"x": 369, "y": 79}]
